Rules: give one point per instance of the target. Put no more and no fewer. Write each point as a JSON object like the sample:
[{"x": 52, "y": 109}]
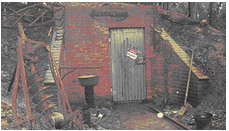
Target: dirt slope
[{"x": 210, "y": 55}]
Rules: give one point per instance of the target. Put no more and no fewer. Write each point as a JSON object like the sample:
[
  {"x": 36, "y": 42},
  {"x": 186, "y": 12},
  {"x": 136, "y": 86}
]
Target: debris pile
[{"x": 6, "y": 115}]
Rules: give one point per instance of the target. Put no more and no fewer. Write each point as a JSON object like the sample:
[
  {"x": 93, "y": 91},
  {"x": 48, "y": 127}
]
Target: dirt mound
[{"x": 210, "y": 56}]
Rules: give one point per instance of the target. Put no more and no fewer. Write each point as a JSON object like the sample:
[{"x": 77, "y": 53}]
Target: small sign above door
[{"x": 117, "y": 15}]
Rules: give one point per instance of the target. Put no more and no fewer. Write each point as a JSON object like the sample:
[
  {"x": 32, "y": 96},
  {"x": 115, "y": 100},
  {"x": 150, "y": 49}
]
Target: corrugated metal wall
[{"x": 128, "y": 78}]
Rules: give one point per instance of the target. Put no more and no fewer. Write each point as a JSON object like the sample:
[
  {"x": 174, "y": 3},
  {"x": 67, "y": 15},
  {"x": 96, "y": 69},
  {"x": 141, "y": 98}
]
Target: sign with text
[{"x": 117, "y": 15}]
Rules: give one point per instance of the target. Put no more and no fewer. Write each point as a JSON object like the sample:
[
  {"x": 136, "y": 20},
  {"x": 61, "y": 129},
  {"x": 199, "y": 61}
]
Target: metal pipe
[
  {"x": 181, "y": 126},
  {"x": 14, "y": 93},
  {"x": 57, "y": 78},
  {"x": 24, "y": 82}
]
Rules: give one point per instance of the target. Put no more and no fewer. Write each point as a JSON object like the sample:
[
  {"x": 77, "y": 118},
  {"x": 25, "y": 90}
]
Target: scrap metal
[
  {"x": 178, "y": 124},
  {"x": 30, "y": 117}
]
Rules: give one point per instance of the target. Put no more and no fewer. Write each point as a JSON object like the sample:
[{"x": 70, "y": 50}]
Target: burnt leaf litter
[{"x": 209, "y": 45}]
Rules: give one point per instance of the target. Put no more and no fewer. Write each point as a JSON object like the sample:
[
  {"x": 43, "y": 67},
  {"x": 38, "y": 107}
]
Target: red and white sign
[{"x": 133, "y": 54}]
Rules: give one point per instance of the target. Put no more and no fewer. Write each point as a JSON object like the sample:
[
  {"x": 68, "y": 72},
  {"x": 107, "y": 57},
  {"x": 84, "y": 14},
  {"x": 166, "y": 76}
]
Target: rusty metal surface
[
  {"x": 21, "y": 72},
  {"x": 31, "y": 118},
  {"x": 58, "y": 81},
  {"x": 14, "y": 93},
  {"x": 128, "y": 78}
]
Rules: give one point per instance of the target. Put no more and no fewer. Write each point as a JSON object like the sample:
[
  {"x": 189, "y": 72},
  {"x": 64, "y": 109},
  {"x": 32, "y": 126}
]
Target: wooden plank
[{"x": 182, "y": 54}]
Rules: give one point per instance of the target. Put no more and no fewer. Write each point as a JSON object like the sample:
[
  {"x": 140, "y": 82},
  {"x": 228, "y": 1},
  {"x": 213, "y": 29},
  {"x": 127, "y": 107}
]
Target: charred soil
[{"x": 208, "y": 42}]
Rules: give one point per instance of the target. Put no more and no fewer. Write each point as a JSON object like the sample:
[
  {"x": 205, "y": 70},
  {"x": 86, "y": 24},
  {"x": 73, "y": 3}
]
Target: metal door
[{"x": 128, "y": 77}]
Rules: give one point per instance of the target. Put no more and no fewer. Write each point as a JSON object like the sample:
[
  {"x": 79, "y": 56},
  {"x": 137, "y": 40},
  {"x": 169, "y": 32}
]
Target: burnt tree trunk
[
  {"x": 192, "y": 10},
  {"x": 160, "y": 3},
  {"x": 189, "y": 9},
  {"x": 210, "y": 14},
  {"x": 166, "y": 5}
]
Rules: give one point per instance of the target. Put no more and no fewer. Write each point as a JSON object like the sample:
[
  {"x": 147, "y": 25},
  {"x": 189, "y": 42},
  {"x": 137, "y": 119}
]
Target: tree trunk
[
  {"x": 160, "y": 3},
  {"x": 219, "y": 6},
  {"x": 164, "y": 5},
  {"x": 167, "y": 5},
  {"x": 189, "y": 9},
  {"x": 192, "y": 10},
  {"x": 210, "y": 13}
]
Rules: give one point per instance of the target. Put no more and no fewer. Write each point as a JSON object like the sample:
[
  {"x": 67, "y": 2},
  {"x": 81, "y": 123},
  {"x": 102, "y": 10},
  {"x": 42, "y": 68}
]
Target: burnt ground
[
  {"x": 126, "y": 116},
  {"x": 210, "y": 50}
]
